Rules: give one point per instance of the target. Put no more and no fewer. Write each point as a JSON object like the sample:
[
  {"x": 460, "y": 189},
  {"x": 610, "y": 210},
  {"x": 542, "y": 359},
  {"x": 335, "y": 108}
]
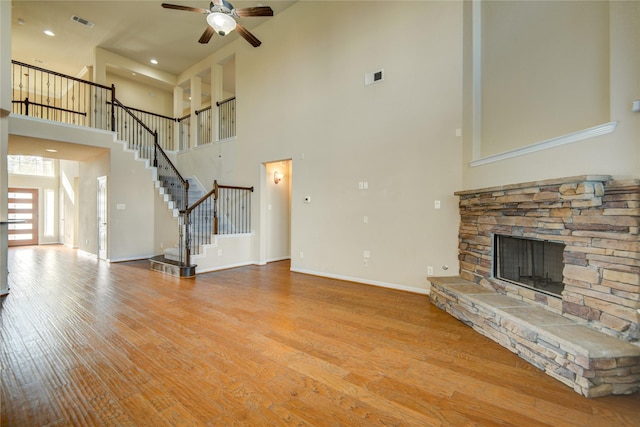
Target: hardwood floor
[{"x": 88, "y": 343}]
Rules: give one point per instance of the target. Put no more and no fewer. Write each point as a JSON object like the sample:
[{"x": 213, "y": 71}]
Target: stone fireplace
[
  {"x": 591, "y": 224},
  {"x": 598, "y": 221}
]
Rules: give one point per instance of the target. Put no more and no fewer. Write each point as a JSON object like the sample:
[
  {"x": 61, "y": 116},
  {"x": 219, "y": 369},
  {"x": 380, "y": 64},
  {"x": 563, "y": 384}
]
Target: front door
[
  {"x": 102, "y": 217},
  {"x": 23, "y": 216}
]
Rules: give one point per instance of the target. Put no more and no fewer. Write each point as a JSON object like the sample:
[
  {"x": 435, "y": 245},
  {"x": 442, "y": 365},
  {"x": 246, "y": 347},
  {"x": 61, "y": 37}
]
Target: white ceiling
[{"x": 137, "y": 30}]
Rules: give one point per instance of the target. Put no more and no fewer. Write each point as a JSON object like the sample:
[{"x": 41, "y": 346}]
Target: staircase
[{"x": 169, "y": 261}]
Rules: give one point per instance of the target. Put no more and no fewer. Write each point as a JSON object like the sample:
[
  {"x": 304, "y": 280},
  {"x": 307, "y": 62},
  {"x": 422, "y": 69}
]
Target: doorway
[
  {"x": 277, "y": 210},
  {"x": 102, "y": 218}
]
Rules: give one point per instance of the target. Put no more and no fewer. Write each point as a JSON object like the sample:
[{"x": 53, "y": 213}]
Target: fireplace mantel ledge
[
  {"x": 591, "y": 362},
  {"x": 534, "y": 184}
]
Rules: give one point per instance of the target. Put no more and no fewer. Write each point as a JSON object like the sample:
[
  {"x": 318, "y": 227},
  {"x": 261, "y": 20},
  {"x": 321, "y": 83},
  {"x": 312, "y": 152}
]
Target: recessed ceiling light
[
  {"x": 51, "y": 150},
  {"x": 49, "y": 33},
  {"x": 154, "y": 61},
  {"x": 20, "y": 21}
]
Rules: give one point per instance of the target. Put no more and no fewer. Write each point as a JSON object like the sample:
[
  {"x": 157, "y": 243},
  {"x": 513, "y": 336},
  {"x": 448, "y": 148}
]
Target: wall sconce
[{"x": 277, "y": 176}]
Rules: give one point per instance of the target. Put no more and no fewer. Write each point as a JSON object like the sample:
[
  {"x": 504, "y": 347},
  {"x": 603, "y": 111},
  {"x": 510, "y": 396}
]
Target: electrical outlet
[
  {"x": 219, "y": 252},
  {"x": 301, "y": 254},
  {"x": 429, "y": 271},
  {"x": 365, "y": 262}
]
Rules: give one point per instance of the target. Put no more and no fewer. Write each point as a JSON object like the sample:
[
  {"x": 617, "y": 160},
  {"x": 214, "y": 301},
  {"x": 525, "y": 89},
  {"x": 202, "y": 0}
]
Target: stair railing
[
  {"x": 224, "y": 204},
  {"x": 231, "y": 209},
  {"x": 162, "y": 124},
  {"x": 142, "y": 139},
  {"x": 196, "y": 226},
  {"x": 53, "y": 96}
]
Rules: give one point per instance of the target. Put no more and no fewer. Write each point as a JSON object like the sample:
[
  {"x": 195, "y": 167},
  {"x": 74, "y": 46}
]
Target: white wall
[
  {"x": 142, "y": 96},
  {"x": 5, "y": 110},
  {"x": 545, "y": 70},
  {"x": 616, "y": 153},
  {"x": 69, "y": 201},
  {"x": 301, "y": 95},
  {"x": 165, "y": 231}
]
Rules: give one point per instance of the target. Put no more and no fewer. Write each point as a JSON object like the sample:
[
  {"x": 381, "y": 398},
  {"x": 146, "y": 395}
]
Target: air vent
[
  {"x": 375, "y": 77},
  {"x": 82, "y": 21}
]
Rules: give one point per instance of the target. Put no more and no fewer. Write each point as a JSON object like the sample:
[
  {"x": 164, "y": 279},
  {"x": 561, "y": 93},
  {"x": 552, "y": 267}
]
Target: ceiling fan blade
[
  {"x": 206, "y": 36},
  {"x": 185, "y": 8},
  {"x": 255, "y": 11},
  {"x": 248, "y": 36}
]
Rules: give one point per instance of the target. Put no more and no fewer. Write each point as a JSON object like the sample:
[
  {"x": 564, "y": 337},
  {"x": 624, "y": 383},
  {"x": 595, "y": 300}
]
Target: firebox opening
[{"x": 531, "y": 263}]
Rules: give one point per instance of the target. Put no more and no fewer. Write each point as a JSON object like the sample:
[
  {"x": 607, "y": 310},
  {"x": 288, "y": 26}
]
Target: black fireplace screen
[{"x": 530, "y": 263}]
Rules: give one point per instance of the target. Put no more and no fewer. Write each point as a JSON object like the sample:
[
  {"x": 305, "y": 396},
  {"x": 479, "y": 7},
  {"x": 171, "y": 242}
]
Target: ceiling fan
[{"x": 222, "y": 19}]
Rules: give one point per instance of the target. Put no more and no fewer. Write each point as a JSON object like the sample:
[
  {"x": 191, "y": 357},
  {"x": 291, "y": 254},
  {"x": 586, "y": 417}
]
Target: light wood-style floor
[{"x": 88, "y": 343}]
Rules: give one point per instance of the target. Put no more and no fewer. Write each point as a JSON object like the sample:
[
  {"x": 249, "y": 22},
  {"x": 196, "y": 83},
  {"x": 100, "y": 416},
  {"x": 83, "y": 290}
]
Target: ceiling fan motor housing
[{"x": 226, "y": 7}]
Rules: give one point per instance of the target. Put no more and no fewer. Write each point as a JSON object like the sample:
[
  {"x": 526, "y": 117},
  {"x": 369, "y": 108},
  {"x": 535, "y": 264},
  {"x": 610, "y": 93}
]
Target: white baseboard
[{"x": 364, "y": 281}]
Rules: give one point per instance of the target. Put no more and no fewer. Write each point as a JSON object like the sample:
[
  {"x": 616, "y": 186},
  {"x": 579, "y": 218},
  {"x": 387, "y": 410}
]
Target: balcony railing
[
  {"x": 184, "y": 132},
  {"x": 205, "y": 125},
  {"x": 226, "y": 118},
  {"x": 48, "y": 95}
]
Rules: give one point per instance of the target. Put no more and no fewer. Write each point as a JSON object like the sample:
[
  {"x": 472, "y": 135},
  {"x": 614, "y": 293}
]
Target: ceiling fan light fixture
[{"x": 222, "y": 23}]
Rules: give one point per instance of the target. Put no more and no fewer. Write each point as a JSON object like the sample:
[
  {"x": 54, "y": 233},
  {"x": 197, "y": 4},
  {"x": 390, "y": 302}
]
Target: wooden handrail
[
  {"x": 233, "y": 187},
  {"x": 214, "y": 192},
  {"x": 148, "y": 112},
  {"x": 201, "y": 200},
  {"x": 203, "y": 110},
  {"x": 219, "y": 103},
  {"x": 22, "y": 64},
  {"x": 128, "y": 110}
]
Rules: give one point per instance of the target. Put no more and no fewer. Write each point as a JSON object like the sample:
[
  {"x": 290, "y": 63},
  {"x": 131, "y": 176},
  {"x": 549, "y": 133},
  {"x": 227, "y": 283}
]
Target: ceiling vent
[{"x": 82, "y": 21}]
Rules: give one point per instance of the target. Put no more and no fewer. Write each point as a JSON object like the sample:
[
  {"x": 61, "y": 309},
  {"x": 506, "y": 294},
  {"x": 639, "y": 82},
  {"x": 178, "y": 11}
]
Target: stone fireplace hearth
[{"x": 597, "y": 219}]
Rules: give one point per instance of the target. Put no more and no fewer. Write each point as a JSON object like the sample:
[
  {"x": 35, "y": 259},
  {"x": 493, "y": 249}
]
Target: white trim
[
  {"x": 127, "y": 259},
  {"x": 569, "y": 138},
  {"x": 476, "y": 72},
  {"x": 284, "y": 258},
  {"x": 363, "y": 281},
  {"x": 224, "y": 267}
]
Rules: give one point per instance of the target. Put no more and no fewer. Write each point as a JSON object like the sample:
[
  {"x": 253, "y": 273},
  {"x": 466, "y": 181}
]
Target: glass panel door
[{"x": 23, "y": 216}]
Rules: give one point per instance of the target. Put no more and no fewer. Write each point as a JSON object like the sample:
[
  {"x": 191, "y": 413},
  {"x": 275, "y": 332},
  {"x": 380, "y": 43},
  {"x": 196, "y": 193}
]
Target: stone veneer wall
[{"x": 597, "y": 218}]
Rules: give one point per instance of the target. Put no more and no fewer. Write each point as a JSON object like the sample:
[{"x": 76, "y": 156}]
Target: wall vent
[
  {"x": 82, "y": 21},
  {"x": 375, "y": 77}
]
